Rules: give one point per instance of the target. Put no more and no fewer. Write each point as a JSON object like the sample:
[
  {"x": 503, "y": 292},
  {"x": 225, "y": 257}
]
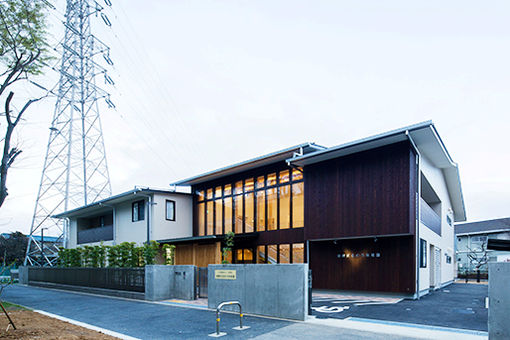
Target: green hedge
[{"x": 126, "y": 254}]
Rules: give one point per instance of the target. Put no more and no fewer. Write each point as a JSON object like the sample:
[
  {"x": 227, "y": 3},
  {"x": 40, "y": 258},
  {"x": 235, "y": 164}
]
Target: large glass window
[
  {"x": 261, "y": 210},
  {"x": 248, "y": 213},
  {"x": 238, "y": 187},
  {"x": 210, "y": 218},
  {"x": 284, "y": 253},
  {"x": 238, "y": 214},
  {"x": 264, "y": 202},
  {"x": 261, "y": 254},
  {"x": 297, "y": 174},
  {"x": 248, "y": 185},
  {"x": 272, "y": 253},
  {"x": 272, "y": 209},
  {"x": 284, "y": 176},
  {"x": 271, "y": 179},
  {"x": 298, "y": 253},
  {"x": 219, "y": 216},
  {"x": 227, "y": 209},
  {"x": 298, "y": 205},
  {"x": 200, "y": 195},
  {"x": 201, "y": 219},
  {"x": 244, "y": 255},
  {"x": 217, "y": 192},
  {"x": 285, "y": 207},
  {"x": 260, "y": 182}
]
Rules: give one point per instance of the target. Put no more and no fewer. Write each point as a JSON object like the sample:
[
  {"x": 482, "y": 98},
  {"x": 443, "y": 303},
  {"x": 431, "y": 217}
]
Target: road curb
[{"x": 86, "y": 325}]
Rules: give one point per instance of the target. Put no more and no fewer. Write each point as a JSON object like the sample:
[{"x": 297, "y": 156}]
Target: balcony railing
[
  {"x": 96, "y": 234},
  {"x": 429, "y": 217}
]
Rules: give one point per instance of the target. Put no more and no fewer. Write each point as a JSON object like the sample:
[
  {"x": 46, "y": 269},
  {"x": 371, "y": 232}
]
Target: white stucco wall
[
  {"x": 73, "y": 236},
  {"x": 446, "y": 241},
  {"x": 125, "y": 229},
  {"x": 182, "y": 226},
  {"x": 128, "y": 231}
]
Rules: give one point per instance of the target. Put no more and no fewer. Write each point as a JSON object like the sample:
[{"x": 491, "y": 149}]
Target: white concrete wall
[
  {"x": 125, "y": 229},
  {"x": 128, "y": 231},
  {"x": 73, "y": 236},
  {"x": 446, "y": 241},
  {"x": 182, "y": 226}
]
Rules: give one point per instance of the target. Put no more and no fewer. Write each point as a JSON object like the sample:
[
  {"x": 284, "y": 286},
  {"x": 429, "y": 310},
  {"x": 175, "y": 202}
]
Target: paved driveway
[
  {"x": 458, "y": 305},
  {"x": 159, "y": 321}
]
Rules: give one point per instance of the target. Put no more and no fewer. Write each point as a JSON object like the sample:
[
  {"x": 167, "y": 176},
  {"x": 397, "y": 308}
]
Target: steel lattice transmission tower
[{"x": 75, "y": 171}]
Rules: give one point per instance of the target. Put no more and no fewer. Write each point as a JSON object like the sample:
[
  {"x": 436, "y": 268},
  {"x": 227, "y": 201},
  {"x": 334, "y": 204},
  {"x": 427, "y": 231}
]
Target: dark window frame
[
  {"x": 166, "y": 210},
  {"x": 242, "y": 193},
  {"x": 423, "y": 253},
  {"x": 140, "y": 210}
]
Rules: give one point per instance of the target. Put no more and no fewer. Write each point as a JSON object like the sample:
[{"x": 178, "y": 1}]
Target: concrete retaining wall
[
  {"x": 167, "y": 282},
  {"x": 23, "y": 275},
  {"x": 279, "y": 290},
  {"x": 499, "y": 301}
]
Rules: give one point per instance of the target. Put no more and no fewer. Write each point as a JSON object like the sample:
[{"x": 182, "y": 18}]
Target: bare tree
[
  {"x": 477, "y": 258},
  {"x": 3, "y": 284},
  {"x": 24, "y": 54}
]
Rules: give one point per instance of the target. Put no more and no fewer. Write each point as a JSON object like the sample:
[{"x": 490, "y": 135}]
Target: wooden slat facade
[
  {"x": 352, "y": 199},
  {"x": 364, "y": 194},
  {"x": 392, "y": 271}
]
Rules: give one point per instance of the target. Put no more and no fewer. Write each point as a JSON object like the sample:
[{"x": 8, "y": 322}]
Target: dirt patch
[{"x": 32, "y": 325}]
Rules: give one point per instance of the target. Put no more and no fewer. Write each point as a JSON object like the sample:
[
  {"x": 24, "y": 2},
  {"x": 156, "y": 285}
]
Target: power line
[{"x": 75, "y": 171}]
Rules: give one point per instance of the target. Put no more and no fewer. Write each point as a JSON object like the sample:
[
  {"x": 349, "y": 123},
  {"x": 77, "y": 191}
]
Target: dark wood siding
[
  {"x": 393, "y": 271},
  {"x": 364, "y": 194}
]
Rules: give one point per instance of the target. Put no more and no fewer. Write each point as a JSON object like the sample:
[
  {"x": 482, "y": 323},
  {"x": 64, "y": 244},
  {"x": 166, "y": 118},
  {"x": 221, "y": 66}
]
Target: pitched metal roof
[
  {"x": 500, "y": 224},
  {"x": 99, "y": 206},
  {"x": 271, "y": 158},
  {"x": 424, "y": 135}
]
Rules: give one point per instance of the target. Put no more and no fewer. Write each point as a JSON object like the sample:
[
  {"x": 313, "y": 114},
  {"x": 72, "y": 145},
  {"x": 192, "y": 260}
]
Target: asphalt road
[
  {"x": 458, "y": 305},
  {"x": 157, "y": 321}
]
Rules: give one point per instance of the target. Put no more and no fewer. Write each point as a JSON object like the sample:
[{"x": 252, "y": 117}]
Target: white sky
[{"x": 203, "y": 84}]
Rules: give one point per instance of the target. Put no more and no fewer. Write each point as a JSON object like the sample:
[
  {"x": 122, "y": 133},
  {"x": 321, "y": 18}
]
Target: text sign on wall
[{"x": 224, "y": 274}]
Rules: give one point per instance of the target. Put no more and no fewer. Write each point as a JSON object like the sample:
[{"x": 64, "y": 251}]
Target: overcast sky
[{"x": 203, "y": 84}]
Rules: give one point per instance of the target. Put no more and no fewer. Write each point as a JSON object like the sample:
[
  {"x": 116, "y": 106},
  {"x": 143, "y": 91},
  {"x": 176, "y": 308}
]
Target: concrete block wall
[
  {"x": 23, "y": 275},
  {"x": 499, "y": 301},
  {"x": 167, "y": 282},
  {"x": 278, "y": 290}
]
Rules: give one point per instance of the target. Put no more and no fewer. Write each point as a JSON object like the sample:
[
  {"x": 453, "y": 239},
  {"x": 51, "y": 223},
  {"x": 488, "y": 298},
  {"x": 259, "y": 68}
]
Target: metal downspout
[
  {"x": 418, "y": 211},
  {"x": 149, "y": 210}
]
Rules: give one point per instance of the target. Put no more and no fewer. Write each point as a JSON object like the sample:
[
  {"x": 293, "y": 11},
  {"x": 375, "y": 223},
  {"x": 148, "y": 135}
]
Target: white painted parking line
[{"x": 401, "y": 329}]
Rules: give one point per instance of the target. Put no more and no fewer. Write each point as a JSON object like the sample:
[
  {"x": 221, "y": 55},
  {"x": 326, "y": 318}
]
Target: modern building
[
  {"x": 375, "y": 214},
  {"x": 138, "y": 215},
  {"x": 471, "y": 244}
]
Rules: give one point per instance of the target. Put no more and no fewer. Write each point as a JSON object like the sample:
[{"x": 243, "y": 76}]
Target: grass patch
[{"x": 12, "y": 306}]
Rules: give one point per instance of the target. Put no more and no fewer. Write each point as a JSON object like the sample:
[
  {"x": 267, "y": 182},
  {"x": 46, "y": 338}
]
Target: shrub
[
  {"x": 169, "y": 254},
  {"x": 149, "y": 252}
]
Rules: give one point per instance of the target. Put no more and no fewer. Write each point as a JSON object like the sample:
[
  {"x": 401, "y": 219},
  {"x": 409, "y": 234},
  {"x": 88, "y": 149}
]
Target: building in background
[
  {"x": 471, "y": 245},
  {"x": 375, "y": 214},
  {"x": 138, "y": 216}
]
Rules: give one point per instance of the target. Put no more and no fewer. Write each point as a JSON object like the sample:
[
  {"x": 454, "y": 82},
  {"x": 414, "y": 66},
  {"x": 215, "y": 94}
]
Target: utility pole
[{"x": 75, "y": 171}]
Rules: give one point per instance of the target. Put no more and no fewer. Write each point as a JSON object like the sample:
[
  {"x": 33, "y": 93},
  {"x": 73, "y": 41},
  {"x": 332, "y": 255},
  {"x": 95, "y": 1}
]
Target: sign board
[{"x": 224, "y": 274}]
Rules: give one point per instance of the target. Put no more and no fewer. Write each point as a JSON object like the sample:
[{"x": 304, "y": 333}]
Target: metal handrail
[{"x": 226, "y": 303}]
